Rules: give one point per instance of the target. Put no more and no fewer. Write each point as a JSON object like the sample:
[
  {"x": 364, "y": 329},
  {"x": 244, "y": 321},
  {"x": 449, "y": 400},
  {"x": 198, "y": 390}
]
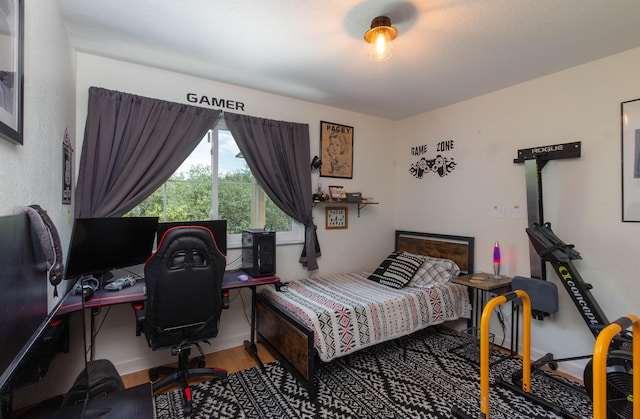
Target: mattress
[{"x": 348, "y": 312}]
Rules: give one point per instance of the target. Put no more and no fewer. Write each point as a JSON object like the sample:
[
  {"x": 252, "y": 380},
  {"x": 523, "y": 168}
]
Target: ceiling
[{"x": 446, "y": 50}]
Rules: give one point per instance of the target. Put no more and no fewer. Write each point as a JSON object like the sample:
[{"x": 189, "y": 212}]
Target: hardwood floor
[
  {"x": 232, "y": 360},
  {"x": 238, "y": 359}
]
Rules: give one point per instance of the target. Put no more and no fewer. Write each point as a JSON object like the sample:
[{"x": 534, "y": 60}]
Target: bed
[{"x": 320, "y": 319}]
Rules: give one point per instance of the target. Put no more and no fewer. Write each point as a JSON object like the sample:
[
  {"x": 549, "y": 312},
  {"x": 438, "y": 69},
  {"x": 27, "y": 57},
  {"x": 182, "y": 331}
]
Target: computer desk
[
  {"x": 137, "y": 293},
  {"x": 230, "y": 282}
]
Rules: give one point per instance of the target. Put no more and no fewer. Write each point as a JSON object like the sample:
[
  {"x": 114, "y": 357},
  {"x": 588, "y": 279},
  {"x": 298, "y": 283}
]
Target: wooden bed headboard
[{"x": 459, "y": 249}]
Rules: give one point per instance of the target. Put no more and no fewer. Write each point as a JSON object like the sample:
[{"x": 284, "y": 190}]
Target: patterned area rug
[{"x": 439, "y": 371}]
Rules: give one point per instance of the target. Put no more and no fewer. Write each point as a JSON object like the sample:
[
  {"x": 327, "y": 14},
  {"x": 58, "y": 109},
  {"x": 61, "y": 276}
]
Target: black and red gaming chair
[{"x": 184, "y": 303}]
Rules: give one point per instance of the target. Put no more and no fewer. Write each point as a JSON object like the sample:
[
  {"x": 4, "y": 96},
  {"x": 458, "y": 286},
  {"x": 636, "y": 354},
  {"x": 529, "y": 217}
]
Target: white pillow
[{"x": 434, "y": 271}]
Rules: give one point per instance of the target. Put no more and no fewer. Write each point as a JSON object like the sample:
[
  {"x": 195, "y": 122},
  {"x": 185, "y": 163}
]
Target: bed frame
[{"x": 292, "y": 342}]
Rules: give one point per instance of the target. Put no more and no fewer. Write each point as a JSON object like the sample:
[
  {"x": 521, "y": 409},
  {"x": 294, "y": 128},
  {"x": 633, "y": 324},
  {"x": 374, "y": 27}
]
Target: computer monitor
[
  {"x": 218, "y": 229},
  {"x": 100, "y": 245}
]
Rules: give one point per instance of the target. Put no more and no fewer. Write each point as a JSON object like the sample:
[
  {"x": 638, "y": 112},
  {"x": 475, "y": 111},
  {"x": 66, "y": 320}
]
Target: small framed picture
[
  {"x": 337, "y": 193},
  {"x": 337, "y": 217}
]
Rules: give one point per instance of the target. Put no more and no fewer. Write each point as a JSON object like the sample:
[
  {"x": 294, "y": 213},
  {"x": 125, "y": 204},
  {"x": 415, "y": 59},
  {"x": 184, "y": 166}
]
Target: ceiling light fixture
[{"x": 379, "y": 38}]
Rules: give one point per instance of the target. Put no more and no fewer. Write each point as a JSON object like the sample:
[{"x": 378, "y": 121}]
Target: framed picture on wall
[
  {"x": 630, "y": 127},
  {"x": 11, "y": 69},
  {"x": 337, "y": 217},
  {"x": 336, "y": 150}
]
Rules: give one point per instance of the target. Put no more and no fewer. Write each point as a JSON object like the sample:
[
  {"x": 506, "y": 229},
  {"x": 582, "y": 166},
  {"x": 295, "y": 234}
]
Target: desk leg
[
  {"x": 95, "y": 312},
  {"x": 250, "y": 345}
]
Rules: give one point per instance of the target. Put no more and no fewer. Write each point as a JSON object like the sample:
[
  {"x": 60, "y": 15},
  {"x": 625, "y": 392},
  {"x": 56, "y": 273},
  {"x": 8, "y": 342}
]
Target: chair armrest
[{"x": 138, "y": 310}]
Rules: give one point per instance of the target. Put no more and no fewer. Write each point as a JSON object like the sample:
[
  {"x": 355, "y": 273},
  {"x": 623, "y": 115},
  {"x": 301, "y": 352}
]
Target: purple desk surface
[{"x": 137, "y": 292}]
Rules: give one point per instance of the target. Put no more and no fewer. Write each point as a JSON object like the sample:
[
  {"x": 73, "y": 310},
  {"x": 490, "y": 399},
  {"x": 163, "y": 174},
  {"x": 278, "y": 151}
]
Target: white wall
[
  {"x": 372, "y": 232},
  {"x": 32, "y": 173},
  {"x": 582, "y": 197}
]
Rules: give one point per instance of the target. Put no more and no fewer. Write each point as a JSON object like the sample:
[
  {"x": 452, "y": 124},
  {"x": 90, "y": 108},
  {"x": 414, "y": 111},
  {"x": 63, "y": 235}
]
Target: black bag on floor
[{"x": 103, "y": 379}]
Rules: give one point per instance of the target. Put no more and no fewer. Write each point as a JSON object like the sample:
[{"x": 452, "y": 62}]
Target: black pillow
[{"x": 397, "y": 269}]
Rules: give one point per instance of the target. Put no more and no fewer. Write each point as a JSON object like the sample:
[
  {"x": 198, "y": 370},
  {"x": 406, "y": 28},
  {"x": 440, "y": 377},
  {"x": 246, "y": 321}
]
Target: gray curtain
[
  {"x": 132, "y": 145},
  {"x": 278, "y": 153}
]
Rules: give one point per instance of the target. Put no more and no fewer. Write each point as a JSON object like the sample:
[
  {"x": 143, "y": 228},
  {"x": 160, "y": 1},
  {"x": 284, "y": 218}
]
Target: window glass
[{"x": 214, "y": 182}]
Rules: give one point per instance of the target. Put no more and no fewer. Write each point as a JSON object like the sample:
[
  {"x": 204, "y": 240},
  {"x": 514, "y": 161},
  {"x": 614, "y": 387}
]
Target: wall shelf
[{"x": 360, "y": 204}]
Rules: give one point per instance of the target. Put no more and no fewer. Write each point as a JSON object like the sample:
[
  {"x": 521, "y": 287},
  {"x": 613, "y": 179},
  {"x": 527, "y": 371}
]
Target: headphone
[
  {"x": 49, "y": 240},
  {"x": 87, "y": 287},
  {"x": 316, "y": 163}
]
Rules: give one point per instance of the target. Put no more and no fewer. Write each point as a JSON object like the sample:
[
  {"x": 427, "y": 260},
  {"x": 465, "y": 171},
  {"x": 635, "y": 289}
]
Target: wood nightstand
[
  {"x": 485, "y": 282},
  {"x": 482, "y": 287}
]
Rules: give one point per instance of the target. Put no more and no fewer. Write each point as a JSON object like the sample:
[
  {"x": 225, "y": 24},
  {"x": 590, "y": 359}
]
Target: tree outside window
[{"x": 194, "y": 193}]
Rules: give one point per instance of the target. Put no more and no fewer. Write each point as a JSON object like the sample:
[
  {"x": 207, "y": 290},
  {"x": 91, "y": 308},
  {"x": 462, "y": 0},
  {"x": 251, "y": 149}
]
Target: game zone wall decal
[{"x": 440, "y": 164}]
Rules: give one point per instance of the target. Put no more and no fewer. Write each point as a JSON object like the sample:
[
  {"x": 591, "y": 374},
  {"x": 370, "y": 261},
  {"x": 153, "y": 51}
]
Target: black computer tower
[{"x": 259, "y": 252}]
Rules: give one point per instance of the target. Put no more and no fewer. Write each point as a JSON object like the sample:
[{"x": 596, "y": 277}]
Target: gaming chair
[{"x": 184, "y": 303}]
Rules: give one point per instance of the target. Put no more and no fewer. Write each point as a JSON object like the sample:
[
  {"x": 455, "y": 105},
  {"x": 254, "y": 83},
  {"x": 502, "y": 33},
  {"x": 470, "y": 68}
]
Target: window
[{"x": 214, "y": 182}]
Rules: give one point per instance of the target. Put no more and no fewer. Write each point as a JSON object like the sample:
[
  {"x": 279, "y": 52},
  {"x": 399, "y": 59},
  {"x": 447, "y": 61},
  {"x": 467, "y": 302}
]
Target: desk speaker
[{"x": 259, "y": 252}]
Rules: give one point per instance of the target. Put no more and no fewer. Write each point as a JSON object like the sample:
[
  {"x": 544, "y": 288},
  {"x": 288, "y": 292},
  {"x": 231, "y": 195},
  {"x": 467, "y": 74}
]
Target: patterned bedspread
[{"x": 348, "y": 312}]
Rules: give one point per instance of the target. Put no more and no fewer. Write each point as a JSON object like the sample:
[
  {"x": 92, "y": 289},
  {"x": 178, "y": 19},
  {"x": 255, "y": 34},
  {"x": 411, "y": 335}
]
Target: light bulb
[{"x": 380, "y": 48}]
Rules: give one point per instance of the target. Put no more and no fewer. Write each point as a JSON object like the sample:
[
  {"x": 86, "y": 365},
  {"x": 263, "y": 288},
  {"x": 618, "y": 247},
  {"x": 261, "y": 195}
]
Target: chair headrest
[{"x": 183, "y": 233}]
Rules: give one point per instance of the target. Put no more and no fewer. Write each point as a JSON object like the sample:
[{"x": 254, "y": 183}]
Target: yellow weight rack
[
  {"x": 484, "y": 345},
  {"x": 600, "y": 351},
  {"x": 484, "y": 349}
]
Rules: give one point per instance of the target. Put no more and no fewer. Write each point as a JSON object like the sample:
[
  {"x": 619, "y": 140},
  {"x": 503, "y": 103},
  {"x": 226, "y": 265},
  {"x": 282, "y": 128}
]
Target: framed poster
[
  {"x": 630, "y": 127},
  {"x": 67, "y": 175},
  {"x": 337, "y": 217},
  {"x": 11, "y": 49},
  {"x": 336, "y": 150}
]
